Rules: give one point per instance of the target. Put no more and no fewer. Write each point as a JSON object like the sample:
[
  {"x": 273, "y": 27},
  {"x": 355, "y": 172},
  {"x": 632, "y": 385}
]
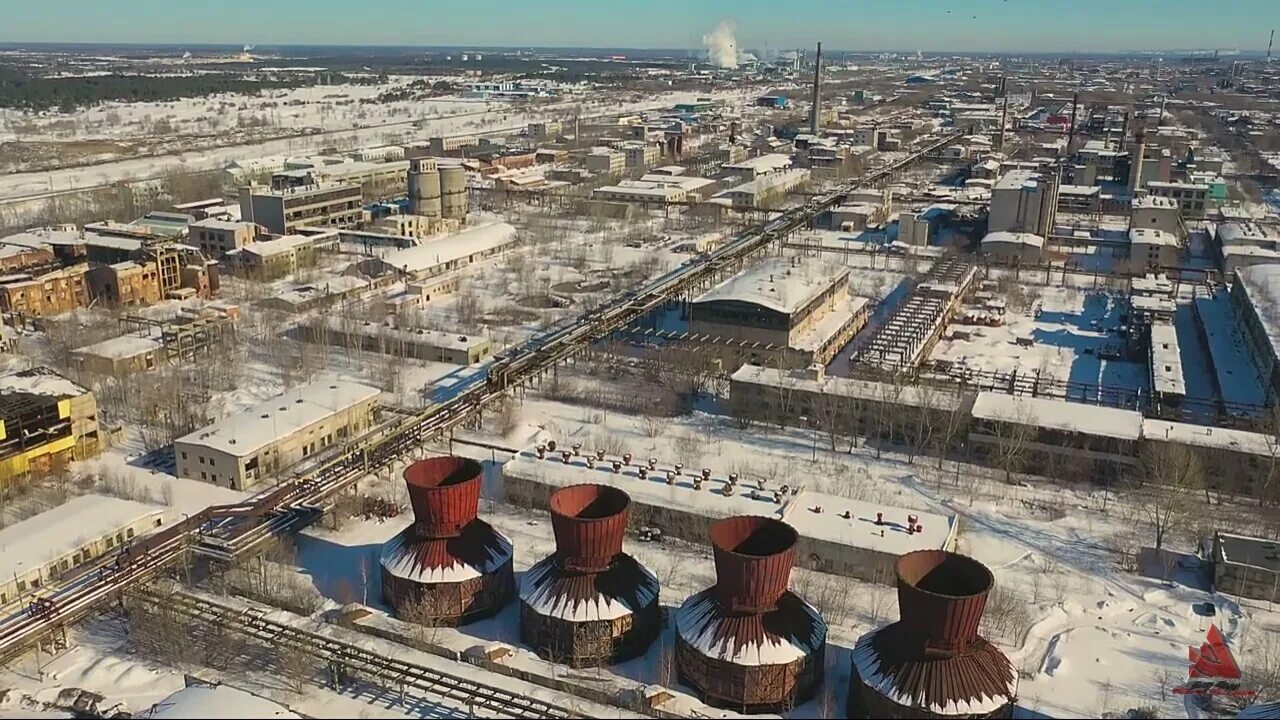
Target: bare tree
[
  {"x": 1012, "y": 438},
  {"x": 1171, "y": 477}
]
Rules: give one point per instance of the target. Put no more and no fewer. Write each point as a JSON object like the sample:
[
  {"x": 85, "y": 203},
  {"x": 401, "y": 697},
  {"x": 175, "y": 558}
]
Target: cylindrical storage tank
[
  {"x": 448, "y": 567},
  {"x": 424, "y": 189},
  {"x": 748, "y": 643},
  {"x": 453, "y": 191},
  {"x": 589, "y": 603},
  {"x": 932, "y": 663}
]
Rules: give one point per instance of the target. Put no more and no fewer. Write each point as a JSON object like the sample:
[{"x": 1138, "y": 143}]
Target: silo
[
  {"x": 453, "y": 187},
  {"x": 424, "y": 189}
]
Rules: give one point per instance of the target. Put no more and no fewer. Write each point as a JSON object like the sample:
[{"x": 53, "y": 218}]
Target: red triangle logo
[{"x": 1213, "y": 659}]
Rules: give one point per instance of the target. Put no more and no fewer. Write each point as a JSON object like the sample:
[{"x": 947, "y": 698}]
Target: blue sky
[{"x": 1001, "y": 25}]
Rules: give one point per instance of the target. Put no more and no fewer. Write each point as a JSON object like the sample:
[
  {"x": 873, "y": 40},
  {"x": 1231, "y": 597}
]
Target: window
[
  {"x": 204, "y": 475},
  {"x": 130, "y": 533},
  {"x": 201, "y": 459}
]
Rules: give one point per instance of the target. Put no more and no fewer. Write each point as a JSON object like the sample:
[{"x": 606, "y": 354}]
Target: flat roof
[
  {"x": 768, "y": 162},
  {"x": 1013, "y": 238},
  {"x": 830, "y": 323},
  {"x": 1018, "y": 179},
  {"x": 1246, "y": 550},
  {"x": 1261, "y": 285},
  {"x": 782, "y": 284},
  {"x": 254, "y": 428},
  {"x": 58, "y": 531},
  {"x": 482, "y": 238},
  {"x": 799, "y": 510},
  {"x": 436, "y": 338},
  {"x": 1152, "y": 236},
  {"x": 1218, "y": 438},
  {"x": 216, "y": 224},
  {"x": 1154, "y": 202},
  {"x": 1166, "y": 360},
  {"x": 40, "y": 381},
  {"x": 121, "y": 347},
  {"x": 1059, "y": 415},
  {"x": 909, "y": 395}
]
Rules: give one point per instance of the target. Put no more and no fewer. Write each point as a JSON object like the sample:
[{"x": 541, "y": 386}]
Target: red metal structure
[
  {"x": 589, "y": 603},
  {"x": 448, "y": 567},
  {"x": 932, "y": 663},
  {"x": 748, "y": 643}
]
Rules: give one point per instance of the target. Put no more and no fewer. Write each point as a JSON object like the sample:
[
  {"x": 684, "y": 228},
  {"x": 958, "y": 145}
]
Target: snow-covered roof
[
  {"x": 1005, "y": 237},
  {"x": 61, "y": 530},
  {"x": 1154, "y": 202},
  {"x": 765, "y": 183},
  {"x": 1018, "y": 179},
  {"x": 40, "y": 381},
  {"x": 1261, "y": 285},
  {"x": 483, "y": 238},
  {"x": 1218, "y": 438},
  {"x": 829, "y": 324},
  {"x": 1059, "y": 415},
  {"x": 121, "y": 347},
  {"x": 217, "y": 224},
  {"x": 762, "y": 164},
  {"x": 276, "y": 246},
  {"x": 1166, "y": 360},
  {"x": 1152, "y": 236},
  {"x": 320, "y": 287},
  {"x": 800, "y": 380},
  {"x": 435, "y": 338},
  {"x": 799, "y": 510},
  {"x": 782, "y": 284},
  {"x": 256, "y": 427},
  {"x": 205, "y": 702},
  {"x": 1246, "y": 233}
]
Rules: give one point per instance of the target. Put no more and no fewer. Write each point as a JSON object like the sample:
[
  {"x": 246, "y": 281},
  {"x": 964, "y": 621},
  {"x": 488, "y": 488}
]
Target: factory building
[
  {"x": 606, "y": 161},
  {"x": 449, "y": 567},
  {"x": 375, "y": 179},
  {"x": 786, "y": 302},
  {"x": 43, "y": 548},
  {"x": 1255, "y": 291},
  {"x": 640, "y": 155},
  {"x": 641, "y": 193},
  {"x": 441, "y": 256},
  {"x": 1192, "y": 198},
  {"x": 45, "y": 293},
  {"x": 1244, "y": 243},
  {"x": 835, "y": 534},
  {"x": 1152, "y": 250},
  {"x": 280, "y": 256},
  {"x": 284, "y": 212},
  {"x": 46, "y": 421},
  {"x": 759, "y": 165},
  {"x": 1024, "y": 201},
  {"x": 1246, "y": 566},
  {"x": 216, "y": 238},
  {"x": 257, "y": 443},
  {"x": 387, "y": 339},
  {"x": 765, "y": 190}
]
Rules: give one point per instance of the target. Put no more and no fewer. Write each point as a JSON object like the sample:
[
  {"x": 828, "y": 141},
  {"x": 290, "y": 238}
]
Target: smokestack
[
  {"x": 1135, "y": 167},
  {"x": 941, "y": 597},
  {"x": 815, "y": 119},
  {"x": 754, "y": 556},
  {"x": 588, "y": 522},
  {"x": 444, "y": 493},
  {"x": 1004, "y": 114},
  {"x": 1269, "y": 44},
  {"x": 1071, "y": 132}
]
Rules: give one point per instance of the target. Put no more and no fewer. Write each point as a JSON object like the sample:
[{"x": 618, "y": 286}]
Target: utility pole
[{"x": 815, "y": 117}]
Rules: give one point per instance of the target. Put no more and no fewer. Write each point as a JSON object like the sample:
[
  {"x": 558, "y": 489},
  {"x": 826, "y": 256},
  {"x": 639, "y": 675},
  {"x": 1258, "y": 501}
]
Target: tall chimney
[
  {"x": 815, "y": 117},
  {"x": 754, "y": 556},
  {"x": 1004, "y": 113},
  {"x": 444, "y": 493},
  {"x": 1135, "y": 167},
  {"x": 1071, "y": 132},
  {"x": 1269, "y": 44},
  {"x": 589, "y": 522},
  {"x": 941, "y": 597}
]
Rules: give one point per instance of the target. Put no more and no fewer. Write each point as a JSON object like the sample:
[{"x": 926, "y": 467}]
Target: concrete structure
[
  {"x": 46, "y": 421},
  {"x": 387, "y": 339},
  {"x": 605, "y": 161},
  {"x": 283, "y": 212},
  {"x": 798, "y": 303},
  {"x": 1192, "y": 198},
  {"x": 1024, "y": 201},
  {"x": 241, "y": 450},
  {"x": 280, "y": 256},
  {"x": 442, "y": 256},
  {"x": 765, "y": 190},
  {"x": 323, "y": 291},
  {"x": 759, "y": 165},
  {"x": 453, "y": 191},
  {"x": 840, "y": 536},
  {"x": 1098, "y": 441},
  {"x": 43, "y": 548},
  {"x": 1152, "y": 250},
  {"x": 641, "y": 193},
  {"x": 119, "y": 356},
  {"x": 1013, "y": 246},
  {"x": 641, "y": 154},
  {"x": 1242, "y": 244},
  {"x": 1255, "y": 301},
  {"x": 216, "y": 238},
  {"x": 45, "y": 294},
  {"x": 424, "y": 189},
  {"x": 913, "y": 229},
  {"x": 1246, "y": 566},
  {"x": 375, "y": 179}
]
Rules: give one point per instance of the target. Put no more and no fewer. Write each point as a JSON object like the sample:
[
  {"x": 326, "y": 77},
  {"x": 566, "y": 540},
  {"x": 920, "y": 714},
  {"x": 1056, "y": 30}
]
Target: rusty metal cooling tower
[
  {"x": 589, "y": 603},
  {"x": 932, "y": 663},
  {"x": 449, "y": 566},
  {"x": 748, "y": 643}
]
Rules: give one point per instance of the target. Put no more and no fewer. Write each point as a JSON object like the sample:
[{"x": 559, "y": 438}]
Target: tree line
[{"x": 22, "y": 91}]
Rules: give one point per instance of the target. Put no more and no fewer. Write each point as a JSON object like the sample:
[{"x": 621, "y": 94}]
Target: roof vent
[
  {"x": 266, "y": 415},
  {"x": 298, "y": 401}
]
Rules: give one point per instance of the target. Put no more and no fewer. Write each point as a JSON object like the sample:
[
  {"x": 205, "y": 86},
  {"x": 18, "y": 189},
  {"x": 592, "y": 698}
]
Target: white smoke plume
[{"x": 722, "y": 46}]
